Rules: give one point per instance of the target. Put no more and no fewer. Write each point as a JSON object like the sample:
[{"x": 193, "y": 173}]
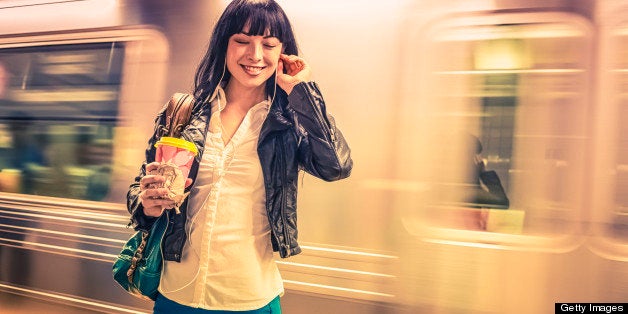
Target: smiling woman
[
  {"x": 252, "y": 59},
  {"x": 257, "y": 121}
]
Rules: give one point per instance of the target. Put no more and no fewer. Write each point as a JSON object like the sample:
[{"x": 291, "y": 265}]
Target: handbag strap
[
  {"x": 139, "y": 253},
  {"x": 177, "y": 114}
]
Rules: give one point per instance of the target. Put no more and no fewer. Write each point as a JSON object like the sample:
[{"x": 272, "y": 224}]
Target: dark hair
[{"x": 261, "y": 16}]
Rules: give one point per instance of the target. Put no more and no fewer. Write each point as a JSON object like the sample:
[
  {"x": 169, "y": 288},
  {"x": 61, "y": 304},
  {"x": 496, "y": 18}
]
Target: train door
[{"x": 508, "y": 93}]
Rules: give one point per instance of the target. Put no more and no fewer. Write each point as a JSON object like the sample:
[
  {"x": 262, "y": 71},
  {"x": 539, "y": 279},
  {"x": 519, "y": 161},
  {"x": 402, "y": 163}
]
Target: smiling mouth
[{"x": 252, "y": 70}]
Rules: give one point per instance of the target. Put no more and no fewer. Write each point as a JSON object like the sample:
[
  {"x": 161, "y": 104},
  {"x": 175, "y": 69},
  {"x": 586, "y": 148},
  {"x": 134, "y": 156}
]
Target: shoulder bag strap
[{"x": 178, "y": 113}]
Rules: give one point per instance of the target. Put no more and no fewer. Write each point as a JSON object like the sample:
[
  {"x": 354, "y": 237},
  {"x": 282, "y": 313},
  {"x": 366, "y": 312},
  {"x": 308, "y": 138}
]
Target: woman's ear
[{"x": 280, "y": 68}]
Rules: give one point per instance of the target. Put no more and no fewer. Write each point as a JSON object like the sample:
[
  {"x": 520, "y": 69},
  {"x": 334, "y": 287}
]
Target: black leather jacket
[{"x": 296, "y": 135}]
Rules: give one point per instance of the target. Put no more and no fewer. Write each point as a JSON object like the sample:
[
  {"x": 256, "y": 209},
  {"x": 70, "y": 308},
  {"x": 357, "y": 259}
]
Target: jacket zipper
[{"x": 283, "y": 199}]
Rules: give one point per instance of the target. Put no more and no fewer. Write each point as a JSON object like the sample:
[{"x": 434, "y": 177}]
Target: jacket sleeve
[
  {"x": 138, "y": 220},
  {"x": 322, "y": 149}
]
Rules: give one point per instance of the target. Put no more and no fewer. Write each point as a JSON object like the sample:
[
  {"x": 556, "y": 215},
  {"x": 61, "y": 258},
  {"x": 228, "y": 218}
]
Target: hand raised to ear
[{"x": 296, "y": 71}]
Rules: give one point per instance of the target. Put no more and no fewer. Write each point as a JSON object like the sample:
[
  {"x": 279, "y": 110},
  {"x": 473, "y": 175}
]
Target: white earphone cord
[{"x": 189, "y": 231}]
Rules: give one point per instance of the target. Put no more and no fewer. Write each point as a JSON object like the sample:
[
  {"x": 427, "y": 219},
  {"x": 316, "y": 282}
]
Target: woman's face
[{"x": 252, "y": 60}]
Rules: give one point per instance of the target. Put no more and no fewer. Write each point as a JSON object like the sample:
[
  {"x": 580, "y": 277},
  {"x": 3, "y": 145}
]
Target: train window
[
  {"x": 499, "y": 122},
  {"x": 58, "y": 112}
]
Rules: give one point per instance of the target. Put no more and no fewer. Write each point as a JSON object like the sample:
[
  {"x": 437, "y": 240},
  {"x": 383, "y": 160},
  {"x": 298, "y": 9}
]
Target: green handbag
[{"x": 138, "y": 267}]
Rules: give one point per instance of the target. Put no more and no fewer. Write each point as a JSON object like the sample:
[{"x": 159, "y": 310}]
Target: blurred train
[{"x": 424, "y": 91}]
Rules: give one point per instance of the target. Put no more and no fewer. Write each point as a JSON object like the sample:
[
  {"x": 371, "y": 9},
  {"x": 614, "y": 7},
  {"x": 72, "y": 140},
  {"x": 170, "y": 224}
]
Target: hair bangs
[{"x": 262, "y": 19}]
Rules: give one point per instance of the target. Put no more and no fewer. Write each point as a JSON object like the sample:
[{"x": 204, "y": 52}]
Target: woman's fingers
[
  {"x": 151, "y": 181},
  {"x": 154, "y": 193},
  {"x": 153, "y": 196},
  {"x": 154, "y": 202},
  {"x": 292, "y": 64},
  {"x": 155, "y": 206},
  {"x": 296, "y": 71},
  {"x": 152, "y": 166}
]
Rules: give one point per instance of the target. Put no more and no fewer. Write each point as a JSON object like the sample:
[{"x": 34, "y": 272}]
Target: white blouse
[{"x": 227, "y": 261}]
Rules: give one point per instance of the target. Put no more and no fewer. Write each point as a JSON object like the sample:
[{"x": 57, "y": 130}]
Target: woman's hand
[
  {"x": 152, "y": 197},
  {"x": 296, "y": 71}
]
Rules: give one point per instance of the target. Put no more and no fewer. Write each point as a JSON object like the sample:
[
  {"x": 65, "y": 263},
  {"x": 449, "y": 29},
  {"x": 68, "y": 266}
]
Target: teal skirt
[{"x": 164, "y": 305}]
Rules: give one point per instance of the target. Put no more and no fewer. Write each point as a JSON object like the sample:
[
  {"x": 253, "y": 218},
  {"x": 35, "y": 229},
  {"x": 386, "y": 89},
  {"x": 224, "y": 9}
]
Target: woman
[{"x": 257, "y": 121}]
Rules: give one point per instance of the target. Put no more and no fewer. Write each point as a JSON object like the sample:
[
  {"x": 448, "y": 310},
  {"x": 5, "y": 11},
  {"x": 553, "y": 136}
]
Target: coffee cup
[{"x": 177, "y": 151}]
